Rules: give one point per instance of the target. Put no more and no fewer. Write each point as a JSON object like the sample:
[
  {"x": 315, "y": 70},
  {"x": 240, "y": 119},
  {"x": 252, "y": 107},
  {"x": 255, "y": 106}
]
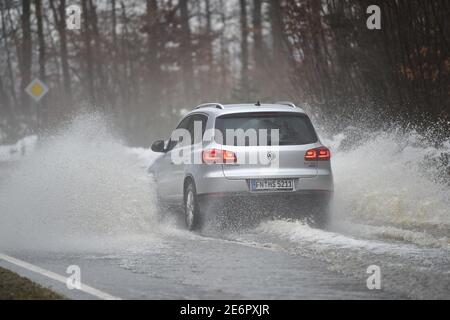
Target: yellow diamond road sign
[{"x": 36, "y": 89}]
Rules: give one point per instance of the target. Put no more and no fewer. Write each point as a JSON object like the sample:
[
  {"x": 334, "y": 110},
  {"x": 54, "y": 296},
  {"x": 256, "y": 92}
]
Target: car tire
[
  {"x": 192, "y": 213},
  {"x": 321, "y": 220},
  {"x": 321, "y": 216}
]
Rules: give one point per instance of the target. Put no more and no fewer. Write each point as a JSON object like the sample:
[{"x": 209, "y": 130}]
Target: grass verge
[{"x": 15, "y": 287}]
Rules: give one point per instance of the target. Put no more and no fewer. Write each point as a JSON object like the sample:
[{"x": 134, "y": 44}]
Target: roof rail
[
  {"x": 287, "y": 103},
  {"x": 210, "y": 104}
]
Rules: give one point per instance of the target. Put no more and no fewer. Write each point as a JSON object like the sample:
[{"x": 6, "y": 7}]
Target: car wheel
[
  {"x": 321, "y": 215},
  {"x": 321, "y": 220},
  {"x": 191, "y": 208}
]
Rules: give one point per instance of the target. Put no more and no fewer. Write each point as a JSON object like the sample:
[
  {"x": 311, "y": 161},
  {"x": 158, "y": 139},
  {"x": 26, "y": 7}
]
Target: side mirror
[{"x": 158, "y": 146}]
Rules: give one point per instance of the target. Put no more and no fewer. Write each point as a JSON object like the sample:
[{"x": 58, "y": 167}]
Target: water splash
[
  {"x": 78, "y": 186},
  {"x": 391, "y": 179}
]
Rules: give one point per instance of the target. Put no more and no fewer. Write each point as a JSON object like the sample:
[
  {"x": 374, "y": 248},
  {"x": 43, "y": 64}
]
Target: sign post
[{"x": 37, "y": 90}]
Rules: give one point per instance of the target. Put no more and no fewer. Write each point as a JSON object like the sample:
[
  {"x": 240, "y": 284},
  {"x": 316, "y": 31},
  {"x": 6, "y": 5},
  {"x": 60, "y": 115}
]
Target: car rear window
[{"x": 293, "y": 128}]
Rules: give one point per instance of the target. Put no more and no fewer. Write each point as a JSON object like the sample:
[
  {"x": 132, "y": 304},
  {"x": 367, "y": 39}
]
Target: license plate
[{"x": 271, "y": 184}]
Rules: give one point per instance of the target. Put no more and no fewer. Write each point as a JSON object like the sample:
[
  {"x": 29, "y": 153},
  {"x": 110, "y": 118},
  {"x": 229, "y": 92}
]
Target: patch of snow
[{"x": 21, "y": 148}]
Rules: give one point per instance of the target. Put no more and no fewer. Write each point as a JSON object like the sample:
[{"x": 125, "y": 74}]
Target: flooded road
[{"x": 84, "y": 199}]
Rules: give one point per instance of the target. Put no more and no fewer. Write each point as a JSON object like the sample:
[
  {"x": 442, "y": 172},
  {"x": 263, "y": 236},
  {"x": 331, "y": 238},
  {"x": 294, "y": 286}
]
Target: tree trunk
[
  {"x": 223, "y": 47},
  {"x": 277, "y": 30},
  {"x": 64, "y": 55},
  {"x": 41, "y": 39},
  {"x": 102, "y": 84},
  {"x": 258, "y": 51},
  {"x": 186, "y": 53},
  {"x": 88, "y": 56},
  {"x": 25, "y": 57},
  {"x": 244, "y": 46},
  {"x": 154, "y": 71},
  {"x": 114, "y": 24},
  {"x": 8, "y": 58},
  {"x": 60, "y": 20},
  {"x": 209, "y": 38}
]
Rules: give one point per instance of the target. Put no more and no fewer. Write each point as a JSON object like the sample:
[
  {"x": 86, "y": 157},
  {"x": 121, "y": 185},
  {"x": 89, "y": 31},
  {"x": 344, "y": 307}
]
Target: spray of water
[
  {"x": 83, "y": 182},
  {"x": 395, "y": 182},
  {"x": 80, "y": 185}
]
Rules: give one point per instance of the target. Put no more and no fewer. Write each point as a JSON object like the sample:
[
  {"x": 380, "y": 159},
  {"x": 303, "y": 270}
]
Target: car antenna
[{"x": 258, "y": 104}]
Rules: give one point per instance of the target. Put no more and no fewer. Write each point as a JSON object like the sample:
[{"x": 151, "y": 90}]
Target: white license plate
[{"x": 271, "y": 184}]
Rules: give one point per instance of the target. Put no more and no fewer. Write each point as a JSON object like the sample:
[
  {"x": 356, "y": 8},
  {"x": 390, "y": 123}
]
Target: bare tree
[
  {"x": 258, "y": 50},
  {"x": 87, "y": 36},
  {"x": 25, "y": 56},
  {"x": 41, "y": 39},
  {"x": 244, "y": 46},
  {"x": 59, "y": 14},
  {"x": 148, "y": 65},
  {"x": 153, "y": 63},
  {"x": 186, "y": 52}
]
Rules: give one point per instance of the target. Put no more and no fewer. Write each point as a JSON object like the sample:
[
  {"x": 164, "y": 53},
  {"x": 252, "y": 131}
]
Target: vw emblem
[{"x": 270, "y": 156}]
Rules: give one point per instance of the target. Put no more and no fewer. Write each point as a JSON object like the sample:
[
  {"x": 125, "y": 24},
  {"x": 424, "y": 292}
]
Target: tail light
[
  {"x": 318, "y": 154},
  {"x": 218, "y": 156}
]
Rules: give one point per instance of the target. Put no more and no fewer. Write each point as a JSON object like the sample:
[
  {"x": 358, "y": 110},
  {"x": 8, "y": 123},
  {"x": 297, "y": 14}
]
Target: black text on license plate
[{"x": 271, "y": 184}]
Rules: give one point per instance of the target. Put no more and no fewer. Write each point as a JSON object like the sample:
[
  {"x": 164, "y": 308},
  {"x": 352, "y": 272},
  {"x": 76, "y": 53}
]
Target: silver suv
[{"x": 251, "y": 160}]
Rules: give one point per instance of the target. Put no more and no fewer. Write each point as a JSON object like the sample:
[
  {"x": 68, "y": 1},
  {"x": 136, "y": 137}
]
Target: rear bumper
[
  {"x": 213, "y": 185},
  {"x": 288, "y": 195}
]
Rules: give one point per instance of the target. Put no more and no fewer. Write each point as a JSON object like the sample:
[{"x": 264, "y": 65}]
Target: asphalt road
[
  {"x": 105, "y": 224},
  {"x": 187, "y": 266}
]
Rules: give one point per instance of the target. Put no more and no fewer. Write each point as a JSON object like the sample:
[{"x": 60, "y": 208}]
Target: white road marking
[{"x": 85, "y": 288}]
